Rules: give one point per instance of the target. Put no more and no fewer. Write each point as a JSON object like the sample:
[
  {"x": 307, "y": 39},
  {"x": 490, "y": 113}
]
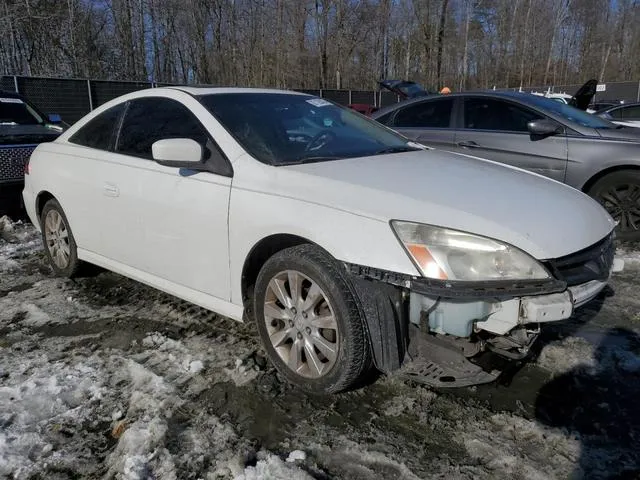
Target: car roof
[
  {"x": 197, "y": 91},
  {"x": 506, "y": 94}
]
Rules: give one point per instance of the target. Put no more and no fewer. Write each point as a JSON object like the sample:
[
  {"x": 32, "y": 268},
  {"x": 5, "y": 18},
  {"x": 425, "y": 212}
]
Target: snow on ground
[{"x": 104, "y": 378}]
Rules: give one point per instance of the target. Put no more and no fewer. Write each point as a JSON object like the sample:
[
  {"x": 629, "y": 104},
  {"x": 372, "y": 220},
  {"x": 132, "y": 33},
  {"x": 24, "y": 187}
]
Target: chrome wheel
[
  {"x": 301, "y": 324},
  {"x": 56, "y": 237},
  {"x": 623, "y": 203}
]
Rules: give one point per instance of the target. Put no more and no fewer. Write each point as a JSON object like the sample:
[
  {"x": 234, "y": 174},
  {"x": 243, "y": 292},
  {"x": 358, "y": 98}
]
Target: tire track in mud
[{"x": 390, "y": 429}]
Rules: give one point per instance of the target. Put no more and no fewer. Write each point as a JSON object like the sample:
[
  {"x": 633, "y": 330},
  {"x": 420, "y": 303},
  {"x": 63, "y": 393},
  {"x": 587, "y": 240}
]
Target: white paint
[{"x": 190, "y": 235}]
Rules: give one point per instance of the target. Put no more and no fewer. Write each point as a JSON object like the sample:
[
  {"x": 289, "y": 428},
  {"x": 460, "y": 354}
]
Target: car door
[
  {"x": 183, "y": 214},
  {"x": 496, "y": 129},
  {"x": 427, "y": 122},
  {"x": 98, "y": 192}
]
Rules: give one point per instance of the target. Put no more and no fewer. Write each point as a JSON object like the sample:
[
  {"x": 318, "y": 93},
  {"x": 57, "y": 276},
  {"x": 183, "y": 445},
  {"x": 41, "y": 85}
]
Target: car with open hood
[{"x": 348, "y": 245}]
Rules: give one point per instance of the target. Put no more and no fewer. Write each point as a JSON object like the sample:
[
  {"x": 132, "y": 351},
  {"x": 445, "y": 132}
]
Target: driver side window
[
  {"x": 497, "y": 115},
  {"x": 150, "y": 119}
]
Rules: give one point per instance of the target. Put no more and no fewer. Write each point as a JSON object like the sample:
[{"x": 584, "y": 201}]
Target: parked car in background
[
  {"x": 599, "y": 106},
  {"x": 627, "y": 114},
  {"x": 363, "y": 108},
  {"x": 537, "y": 134},
  {"x": 581, "y": 99},
  {"x": 405, "y": 88},
  {"x": 347, "y": 243},
  {"x": 22, "y": 128}
]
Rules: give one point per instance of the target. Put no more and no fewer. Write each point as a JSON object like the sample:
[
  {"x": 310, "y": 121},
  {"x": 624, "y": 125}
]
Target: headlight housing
[{"x": 446, "y": 254}]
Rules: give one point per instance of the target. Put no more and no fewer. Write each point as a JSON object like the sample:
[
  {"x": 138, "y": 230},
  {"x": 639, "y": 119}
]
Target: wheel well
[
  {"x": 41, "y": 200},
  {"x": 260, "y": 253},
  {"x": 587, "y": 186}
]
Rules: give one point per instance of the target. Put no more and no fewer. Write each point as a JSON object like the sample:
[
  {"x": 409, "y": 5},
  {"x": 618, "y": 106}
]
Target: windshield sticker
[
  {"x": 10, "y": 100},
  {"x": 318, "y": 102}
]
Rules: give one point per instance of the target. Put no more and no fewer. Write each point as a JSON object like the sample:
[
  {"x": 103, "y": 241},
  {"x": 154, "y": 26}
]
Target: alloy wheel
[
  {"x": 56, "y": 237},
  {"x": 301, "y": 324},
  {"x": 623, "y": 204}
]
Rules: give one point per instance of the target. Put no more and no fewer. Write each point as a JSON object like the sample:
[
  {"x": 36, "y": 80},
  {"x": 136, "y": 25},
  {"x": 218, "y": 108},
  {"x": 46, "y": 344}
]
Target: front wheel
[
  {"x": 619, "y": 194},
  {"x": 309, "y": 321}
]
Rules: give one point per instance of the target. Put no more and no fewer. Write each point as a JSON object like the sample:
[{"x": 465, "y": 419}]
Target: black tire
[
  {"x": 354, "y": 356},
  {"x": 73, "y": 266},
  {"x": 622, "y": 182}
]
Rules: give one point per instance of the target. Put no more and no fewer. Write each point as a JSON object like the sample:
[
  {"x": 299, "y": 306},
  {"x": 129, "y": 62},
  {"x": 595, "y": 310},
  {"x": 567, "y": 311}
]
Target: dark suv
[{"x": 22, "y": 128}]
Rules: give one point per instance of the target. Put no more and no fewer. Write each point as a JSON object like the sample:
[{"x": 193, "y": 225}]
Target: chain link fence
[{"x": 74, "y": 98}]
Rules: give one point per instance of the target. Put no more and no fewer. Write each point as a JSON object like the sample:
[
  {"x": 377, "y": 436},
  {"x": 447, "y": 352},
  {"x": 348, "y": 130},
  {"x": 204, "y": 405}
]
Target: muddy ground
[{"x": 102, "y": 377}]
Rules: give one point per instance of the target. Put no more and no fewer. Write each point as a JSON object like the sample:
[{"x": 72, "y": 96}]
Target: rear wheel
[
  {"x": 58, "y": 240},
  {"x": 619, "y": 194},
  {"x": 309, "y": 321}
]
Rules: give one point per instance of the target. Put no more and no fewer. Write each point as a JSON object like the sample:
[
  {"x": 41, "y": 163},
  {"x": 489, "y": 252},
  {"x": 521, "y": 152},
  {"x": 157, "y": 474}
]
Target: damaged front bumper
[{"x": 449, "y": 326}]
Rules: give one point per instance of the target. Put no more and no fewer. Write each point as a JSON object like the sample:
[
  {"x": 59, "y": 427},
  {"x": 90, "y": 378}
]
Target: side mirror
[
  {"x": 544, "y": 127},
  {"x": 54, "y": 118},
  {"x": 178, "y": 153}
]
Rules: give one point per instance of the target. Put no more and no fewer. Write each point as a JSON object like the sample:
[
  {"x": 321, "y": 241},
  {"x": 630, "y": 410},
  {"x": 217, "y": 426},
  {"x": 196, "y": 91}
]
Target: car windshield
[
  {"x": 570, "y": 113},
  {"x": 286, "y": 129},
  {"x": 14, "y": 111}
]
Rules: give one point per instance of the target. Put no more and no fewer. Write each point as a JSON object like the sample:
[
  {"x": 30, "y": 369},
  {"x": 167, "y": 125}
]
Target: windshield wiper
[
  {"x": 311, "y": 160},
  {"x": 397, "y": 149}
]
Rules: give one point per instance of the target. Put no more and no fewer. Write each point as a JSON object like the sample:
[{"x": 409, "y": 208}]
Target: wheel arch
[
  {"x": 261, "y": 252},
  {"x": 603, "y": 173},
  {"x": 41, "y": 199}
]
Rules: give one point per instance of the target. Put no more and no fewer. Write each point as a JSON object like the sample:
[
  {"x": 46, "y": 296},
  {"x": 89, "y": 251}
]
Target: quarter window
[
  {"x": 631, "y": 113},
  {"x": 100, "y": 131},
  {"x": 150, "y": 119},
  {"x": 489, "y": 114},
  {"x": 431, "y": 114}
]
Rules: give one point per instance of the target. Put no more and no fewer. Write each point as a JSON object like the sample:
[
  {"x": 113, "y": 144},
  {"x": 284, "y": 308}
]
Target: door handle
[
  {"x": 468, "y": 144},
  {"x": 111, "y": 190}
]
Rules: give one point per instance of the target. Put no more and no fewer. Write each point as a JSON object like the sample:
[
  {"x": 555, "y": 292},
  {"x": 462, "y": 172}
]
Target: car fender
[{"x": 346, "y": 236}]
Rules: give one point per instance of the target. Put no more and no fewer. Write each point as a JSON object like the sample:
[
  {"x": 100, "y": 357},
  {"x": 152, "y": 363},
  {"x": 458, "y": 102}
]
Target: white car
[{"x": 350, "y": 246}]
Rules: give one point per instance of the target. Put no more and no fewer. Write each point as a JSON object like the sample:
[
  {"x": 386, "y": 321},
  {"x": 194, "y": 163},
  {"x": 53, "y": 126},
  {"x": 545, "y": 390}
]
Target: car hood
[
  {"x": 543, "y": 217},
  {"x": 27, "y": 134}
]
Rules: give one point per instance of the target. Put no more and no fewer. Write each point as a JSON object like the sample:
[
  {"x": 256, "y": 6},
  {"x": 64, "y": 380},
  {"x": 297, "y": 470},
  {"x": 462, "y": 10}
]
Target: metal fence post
[
  {"x": 350, "y": 98},
  {"x": 15, "y": 83},
  {"x": 320, "y": 93},
  {"x": 89, "y": 93},
  {"x": 638, "y": 96}
]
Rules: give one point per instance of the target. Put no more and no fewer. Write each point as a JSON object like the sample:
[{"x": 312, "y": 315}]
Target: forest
[{"x": 301, "y": 44}]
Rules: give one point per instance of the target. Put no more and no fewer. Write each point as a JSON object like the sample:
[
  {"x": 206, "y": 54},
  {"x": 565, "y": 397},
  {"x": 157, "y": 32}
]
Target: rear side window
[
  {"x": 150, "y": 119},
  {"x": 617, "y": 113},
  {"x": 431, "y": 114},
  {"x": 631, "y": 113},
  {"x": 99, "y": 132},
  {"x": 498, "y": 115}
]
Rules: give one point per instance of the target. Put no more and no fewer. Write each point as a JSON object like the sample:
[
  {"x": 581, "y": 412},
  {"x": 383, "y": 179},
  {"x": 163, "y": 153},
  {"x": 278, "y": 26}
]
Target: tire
[
  {"x": 299, "y": 326},
  {"x": 58, "y": 241},
  {"x": 619, "y": 193}
]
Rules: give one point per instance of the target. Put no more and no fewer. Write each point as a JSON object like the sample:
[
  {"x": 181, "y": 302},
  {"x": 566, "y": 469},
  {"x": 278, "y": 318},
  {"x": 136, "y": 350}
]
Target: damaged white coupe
[{"x": 351, "y": 247}]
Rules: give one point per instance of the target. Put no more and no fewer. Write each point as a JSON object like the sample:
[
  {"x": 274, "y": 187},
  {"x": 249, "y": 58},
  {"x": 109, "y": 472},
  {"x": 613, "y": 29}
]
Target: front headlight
[{"x": 446, "y": 254}]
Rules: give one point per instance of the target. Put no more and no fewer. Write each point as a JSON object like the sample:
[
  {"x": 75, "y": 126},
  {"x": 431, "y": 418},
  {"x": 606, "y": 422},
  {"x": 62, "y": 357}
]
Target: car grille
[
  {"x": 592, "y": 263},
  {"x": 12, "y": 161}
]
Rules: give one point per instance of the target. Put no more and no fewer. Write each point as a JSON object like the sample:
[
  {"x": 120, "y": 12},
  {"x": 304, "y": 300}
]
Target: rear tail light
[{"x": 27, "y": 167}]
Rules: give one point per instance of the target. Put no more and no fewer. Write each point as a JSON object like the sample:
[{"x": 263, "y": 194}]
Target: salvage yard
[{"x": 102, "y": 377}]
